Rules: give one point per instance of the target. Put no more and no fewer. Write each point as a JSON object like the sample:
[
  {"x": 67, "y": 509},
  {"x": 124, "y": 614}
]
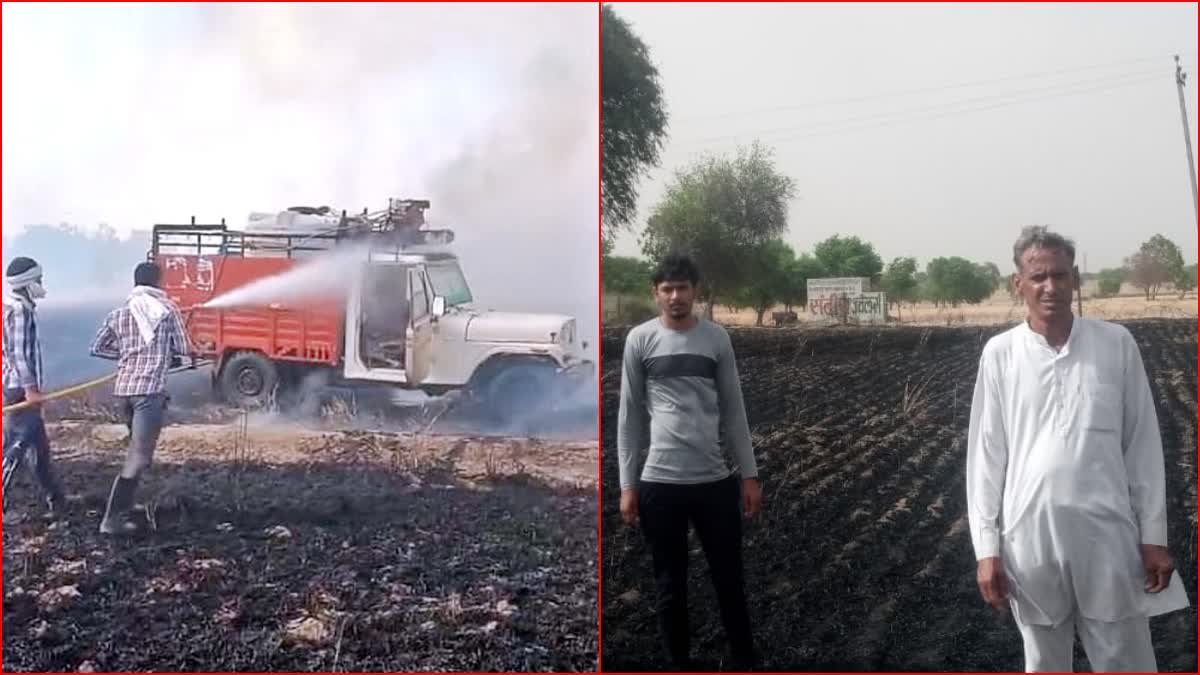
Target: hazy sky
[
  {"x": 135, "y": 114},
  {"x": 1096, "y": 153}
]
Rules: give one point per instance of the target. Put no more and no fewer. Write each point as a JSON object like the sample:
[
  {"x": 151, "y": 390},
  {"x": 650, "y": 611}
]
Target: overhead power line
[
  {"x": 946, "y": 109},
  {"x": 1005, "y": 104},
  {"x": 924, "y": 90}
]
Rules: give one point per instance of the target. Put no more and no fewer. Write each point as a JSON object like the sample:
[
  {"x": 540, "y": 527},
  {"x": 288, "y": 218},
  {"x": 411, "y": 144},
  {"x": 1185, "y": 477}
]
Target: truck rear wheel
[{"x": 248, "y": 380}]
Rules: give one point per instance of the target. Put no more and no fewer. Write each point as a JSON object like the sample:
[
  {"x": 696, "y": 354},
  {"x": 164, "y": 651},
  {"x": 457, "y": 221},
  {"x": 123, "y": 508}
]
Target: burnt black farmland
[
  {"x": 862, "y": 558},
  {"x": 279, "y": 548}
]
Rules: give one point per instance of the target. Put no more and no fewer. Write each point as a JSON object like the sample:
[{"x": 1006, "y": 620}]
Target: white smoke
[
  {"x": 217, "y": 110},
  {"x": 330, "y": 275}
]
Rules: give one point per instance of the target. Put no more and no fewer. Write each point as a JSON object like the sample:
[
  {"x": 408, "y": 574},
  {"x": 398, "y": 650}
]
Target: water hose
[{"x": 91, "y": 384}]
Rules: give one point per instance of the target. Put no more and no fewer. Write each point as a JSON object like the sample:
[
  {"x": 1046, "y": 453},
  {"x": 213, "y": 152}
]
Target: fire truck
[{"x": 404, "y": 315}]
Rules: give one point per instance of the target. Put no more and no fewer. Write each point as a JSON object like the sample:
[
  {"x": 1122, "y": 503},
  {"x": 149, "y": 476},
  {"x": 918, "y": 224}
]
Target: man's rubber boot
[
  {"x": 12, "y": 462},
  {"x": 120, "y": 501}
]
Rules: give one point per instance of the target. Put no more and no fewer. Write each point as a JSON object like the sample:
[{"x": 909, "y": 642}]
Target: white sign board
[{"x": 844, "y": 300}]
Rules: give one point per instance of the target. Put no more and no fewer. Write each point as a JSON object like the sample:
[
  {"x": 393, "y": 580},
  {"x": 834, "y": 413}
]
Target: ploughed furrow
[
  {"x": 875, "y": 557},
  {"x": 866, "y": 456},
  {"x": 1169, "y": 353},
  {"x": 812, "y": 388},
  {"x": 861, "y": 446},
  {"x": 884, "y": 550},
  {"x": 1170, "y": 360}
]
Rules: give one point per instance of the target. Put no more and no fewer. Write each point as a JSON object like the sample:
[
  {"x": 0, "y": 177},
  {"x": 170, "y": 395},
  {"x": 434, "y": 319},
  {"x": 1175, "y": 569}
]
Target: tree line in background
[
  {"x": 771, "y": 274},
  {"x": 1157, "y": 262},
  {"x": 79, "y": 258},
  {"x": 730, "y": 212},
  {"x": 775, "y": 275}
]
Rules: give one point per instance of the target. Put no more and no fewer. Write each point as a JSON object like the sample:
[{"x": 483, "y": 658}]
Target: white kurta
[{"x": 1065, "y": 474}]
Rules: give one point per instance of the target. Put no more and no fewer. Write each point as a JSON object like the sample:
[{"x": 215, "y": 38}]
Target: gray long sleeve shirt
[{"x": 677, "y": 389}]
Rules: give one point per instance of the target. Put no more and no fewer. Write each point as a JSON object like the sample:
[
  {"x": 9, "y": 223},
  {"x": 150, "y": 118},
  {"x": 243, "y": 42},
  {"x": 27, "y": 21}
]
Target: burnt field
[
  {"x": 862, "y": 559},
  {"x": 274, "y": 548}
]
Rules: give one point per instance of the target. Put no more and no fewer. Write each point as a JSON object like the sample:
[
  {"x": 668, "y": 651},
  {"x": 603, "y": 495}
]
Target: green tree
[
  {"x": 633, "y": 120},
  {"x": 899, "y": 281},
  {"x": 944, "y": 277},
  {"x": 1108, "y": 282},
  {"x": 925, "y": 292},
  {"x": 957, "y": 280},
  {"x": 622, "y": 276},
  {"x": 848, "y": 257},
  {"x": 1157, "y": 261},
  {"x": 1186, "y": 281},
  {"x": 719, "y": 210},
  {"x": 804, "y": 267},
  {"x": 995, "y": 278},
  {"x": 987, "y": 282},
  {"x": 1167, "y": 251},
  {"x": 770, "y": 283}
]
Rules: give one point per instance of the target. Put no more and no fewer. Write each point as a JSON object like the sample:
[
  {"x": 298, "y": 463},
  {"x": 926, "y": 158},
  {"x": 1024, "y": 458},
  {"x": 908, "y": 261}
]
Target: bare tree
[
  {"x": 1147, "y": 272},
  {"x": 1157, "y": 262}
]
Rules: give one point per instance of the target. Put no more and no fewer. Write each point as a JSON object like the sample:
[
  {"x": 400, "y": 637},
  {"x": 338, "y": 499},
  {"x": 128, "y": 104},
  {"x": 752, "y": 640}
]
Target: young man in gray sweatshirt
[{"x": 679, "y": 388}]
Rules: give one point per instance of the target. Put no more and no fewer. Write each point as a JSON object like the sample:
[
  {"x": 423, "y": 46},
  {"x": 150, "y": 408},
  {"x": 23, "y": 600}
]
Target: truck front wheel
[
  {"x": 521, "y": 395},
  {"x": 248, "y": 380}
]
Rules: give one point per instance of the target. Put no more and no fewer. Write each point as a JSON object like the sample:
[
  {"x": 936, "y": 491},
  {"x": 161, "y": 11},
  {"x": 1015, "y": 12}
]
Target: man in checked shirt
[
  {"x": 146, "y": 337},
  {"x": 25, "y": 439}
]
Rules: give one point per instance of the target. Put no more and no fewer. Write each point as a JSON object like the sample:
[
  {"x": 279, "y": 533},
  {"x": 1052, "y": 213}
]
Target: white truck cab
[{"x": 411, "y": 320}]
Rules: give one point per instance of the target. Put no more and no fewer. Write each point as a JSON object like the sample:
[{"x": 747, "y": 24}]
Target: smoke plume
[{"x": 217, "y": 110}]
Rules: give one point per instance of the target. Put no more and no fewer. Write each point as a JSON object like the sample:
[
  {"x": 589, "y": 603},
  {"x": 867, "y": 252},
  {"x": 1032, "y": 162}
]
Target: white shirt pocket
[{"x": 1100, "y": 408}]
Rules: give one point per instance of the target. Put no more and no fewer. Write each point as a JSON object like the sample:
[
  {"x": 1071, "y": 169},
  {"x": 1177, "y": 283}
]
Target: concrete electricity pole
[{"x": 1180, "y": 81}]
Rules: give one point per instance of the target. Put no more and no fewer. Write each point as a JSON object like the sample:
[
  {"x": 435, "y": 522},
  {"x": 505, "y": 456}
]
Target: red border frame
[
  {"x": 599, "y": 316},
  {"x": 599, "y": 342}
]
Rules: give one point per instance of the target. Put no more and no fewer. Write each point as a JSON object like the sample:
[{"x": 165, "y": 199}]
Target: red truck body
[{"x": 306, "y": 333}]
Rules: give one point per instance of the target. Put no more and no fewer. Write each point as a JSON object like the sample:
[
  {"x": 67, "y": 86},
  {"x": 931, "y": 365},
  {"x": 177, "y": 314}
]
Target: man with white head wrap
[
  {"x": 25, "y": 438},
  {"x": 146, "y": 337}
]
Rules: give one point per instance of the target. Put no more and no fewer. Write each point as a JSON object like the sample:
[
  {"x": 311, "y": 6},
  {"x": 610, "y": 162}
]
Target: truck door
[
  {"x": 377, "y": 325},
  {"x": 419, "y": 347}
]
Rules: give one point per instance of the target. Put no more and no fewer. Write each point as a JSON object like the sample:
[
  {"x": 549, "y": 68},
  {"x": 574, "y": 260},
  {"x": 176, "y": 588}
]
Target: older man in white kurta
[{"x": 1066, "y": 494}]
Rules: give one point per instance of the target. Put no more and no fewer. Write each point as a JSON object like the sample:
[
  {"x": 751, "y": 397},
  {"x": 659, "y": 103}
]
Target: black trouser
[
  {"x": 715, "y": 510},
  {"x": 26, "y": 441}
]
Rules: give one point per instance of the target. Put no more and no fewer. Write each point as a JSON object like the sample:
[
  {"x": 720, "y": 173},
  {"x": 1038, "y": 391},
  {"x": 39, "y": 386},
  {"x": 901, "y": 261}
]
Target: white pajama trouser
[{"x": 1118, "y": 646}]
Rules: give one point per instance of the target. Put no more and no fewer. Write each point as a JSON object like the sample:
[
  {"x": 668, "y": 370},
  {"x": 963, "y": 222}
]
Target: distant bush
[
  {"x": 628, "y": 310},
  {"x": 1108, "y": 282}
]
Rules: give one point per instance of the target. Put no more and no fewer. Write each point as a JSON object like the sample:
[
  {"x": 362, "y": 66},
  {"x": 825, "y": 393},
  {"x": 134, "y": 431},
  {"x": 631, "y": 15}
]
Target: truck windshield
[{"x": 448, "y": 281}]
